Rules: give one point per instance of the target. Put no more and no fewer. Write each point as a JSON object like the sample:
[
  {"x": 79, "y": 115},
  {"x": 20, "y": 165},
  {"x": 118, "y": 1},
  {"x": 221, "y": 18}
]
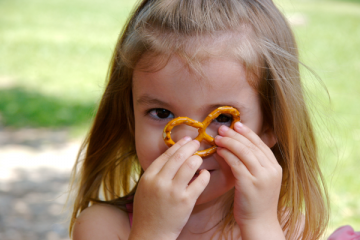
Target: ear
[{"x": 268, "y": 136}]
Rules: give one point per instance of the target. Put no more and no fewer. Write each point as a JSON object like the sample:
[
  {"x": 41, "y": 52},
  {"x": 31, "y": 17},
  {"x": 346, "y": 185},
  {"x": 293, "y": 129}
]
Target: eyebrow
[
  {"x": 240, "y": 107},
  {"x": 148, "y": 100}
]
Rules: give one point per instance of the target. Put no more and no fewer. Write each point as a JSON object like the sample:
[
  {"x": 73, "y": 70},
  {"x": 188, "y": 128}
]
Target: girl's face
[{"x": 175, "y": 91}]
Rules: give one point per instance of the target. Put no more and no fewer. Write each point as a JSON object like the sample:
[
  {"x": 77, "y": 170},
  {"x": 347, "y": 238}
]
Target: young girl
[{"x": 186, "y": 58}]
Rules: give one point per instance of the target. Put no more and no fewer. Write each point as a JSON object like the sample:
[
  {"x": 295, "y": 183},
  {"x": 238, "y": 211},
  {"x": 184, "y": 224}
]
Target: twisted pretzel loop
[{"x": 201, "y": 126}]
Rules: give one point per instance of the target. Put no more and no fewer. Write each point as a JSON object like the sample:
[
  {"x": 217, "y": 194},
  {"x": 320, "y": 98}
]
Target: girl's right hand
[{"x": 164, "y": 198}]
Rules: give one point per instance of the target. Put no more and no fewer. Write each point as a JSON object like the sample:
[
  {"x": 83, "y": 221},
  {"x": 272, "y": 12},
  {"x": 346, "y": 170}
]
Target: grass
[
  {"x": 22, "y": 107},
  {"x": 54, "y": 56},
  {"x": 58, "y": 49},
  {"x": 329, "y": 43}
]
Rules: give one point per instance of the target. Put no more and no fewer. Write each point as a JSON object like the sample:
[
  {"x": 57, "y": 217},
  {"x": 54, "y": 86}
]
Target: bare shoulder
[{"x": 102, "y": 221}]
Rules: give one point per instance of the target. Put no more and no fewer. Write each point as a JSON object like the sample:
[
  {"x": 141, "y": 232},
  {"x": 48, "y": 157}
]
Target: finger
[
  {"x": 158, "y": 163},
  {"x": 172, "y": 166},
  {"x": 256, "y": 140},
  {"x": 187, "y": 171},
  {"x": 241, "y": 152},
  {"x": 241, "y": 144},
  {"x": 196, "y": 187},
  {"x": 238, "y": 168}
]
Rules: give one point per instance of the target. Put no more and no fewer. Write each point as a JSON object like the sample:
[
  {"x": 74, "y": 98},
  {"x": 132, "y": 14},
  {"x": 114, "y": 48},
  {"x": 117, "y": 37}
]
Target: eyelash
[
  {"x": 156, "y": 118},
  {"x": 224, "y": 123}
]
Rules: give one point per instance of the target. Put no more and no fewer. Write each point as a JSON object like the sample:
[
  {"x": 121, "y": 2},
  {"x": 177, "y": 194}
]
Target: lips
[
  {"x": 199, "y": 170},
  {"x": 197, "y": 173}
]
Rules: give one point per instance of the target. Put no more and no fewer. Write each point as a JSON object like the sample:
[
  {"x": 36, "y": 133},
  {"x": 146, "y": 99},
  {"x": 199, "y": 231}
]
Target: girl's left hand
[{"x": 257, "y": 175}]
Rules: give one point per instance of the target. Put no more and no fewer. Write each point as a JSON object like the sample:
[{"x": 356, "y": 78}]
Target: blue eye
[{"x": 161, "y": 113}]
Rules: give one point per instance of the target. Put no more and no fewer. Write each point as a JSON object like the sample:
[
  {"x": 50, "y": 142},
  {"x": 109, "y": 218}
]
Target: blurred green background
[{"x": 54, "y": 57}]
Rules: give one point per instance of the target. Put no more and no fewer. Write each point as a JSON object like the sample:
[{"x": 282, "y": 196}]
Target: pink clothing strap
[{"x": 129, "y": 208}]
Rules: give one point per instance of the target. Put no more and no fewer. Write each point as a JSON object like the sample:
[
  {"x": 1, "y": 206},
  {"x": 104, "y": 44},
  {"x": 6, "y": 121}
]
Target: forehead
[
  {"x": 240, "y": 44},
  {"x": 210, "y": 71},
  {"x": 206, "y": 73},
  {"x": 223, "y": 82},
  {"x": 195, "y": 53}
]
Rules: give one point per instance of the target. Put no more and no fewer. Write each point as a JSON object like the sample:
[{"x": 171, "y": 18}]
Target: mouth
[{"x": 197, "y": 173}]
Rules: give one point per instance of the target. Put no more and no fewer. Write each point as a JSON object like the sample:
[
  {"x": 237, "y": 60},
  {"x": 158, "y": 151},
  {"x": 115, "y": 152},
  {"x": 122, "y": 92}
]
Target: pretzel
[{"x": 201, "y": 126}]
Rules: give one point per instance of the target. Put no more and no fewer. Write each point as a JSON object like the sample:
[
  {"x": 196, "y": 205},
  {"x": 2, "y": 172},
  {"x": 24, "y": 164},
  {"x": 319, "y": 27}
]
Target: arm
[
  {"x": 101, "y": 221},
  {"x": 164, "y": 198},
  {"x": 257, "y": 180},
  {"x": 163, "y": 192}
]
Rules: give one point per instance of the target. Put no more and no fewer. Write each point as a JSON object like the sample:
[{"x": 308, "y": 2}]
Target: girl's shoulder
[{"x": 101, "y": 221}]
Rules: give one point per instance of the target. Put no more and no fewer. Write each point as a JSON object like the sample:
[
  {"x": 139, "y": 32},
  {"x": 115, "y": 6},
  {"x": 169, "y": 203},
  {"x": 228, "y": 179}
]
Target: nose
[{"x": 183, "y": 130}]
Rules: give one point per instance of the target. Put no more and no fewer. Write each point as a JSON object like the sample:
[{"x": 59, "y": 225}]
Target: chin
[{"x": 209, "y": 196}]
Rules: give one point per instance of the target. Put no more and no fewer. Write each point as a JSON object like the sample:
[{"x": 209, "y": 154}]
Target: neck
[{"x": 205, "y": 219}]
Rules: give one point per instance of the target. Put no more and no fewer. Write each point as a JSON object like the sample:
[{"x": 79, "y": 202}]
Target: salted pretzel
[{"x": 201, "y": 126}]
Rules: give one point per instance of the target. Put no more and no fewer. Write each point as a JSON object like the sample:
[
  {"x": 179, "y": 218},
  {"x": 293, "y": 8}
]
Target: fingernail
[
  {"x": 224, "y": 128},
  {"x": 187, "y": 139},
  {"x": 238, "y": 125},
  {"x": 197, "y": 142},
  {"x": 218, "y": 137}
]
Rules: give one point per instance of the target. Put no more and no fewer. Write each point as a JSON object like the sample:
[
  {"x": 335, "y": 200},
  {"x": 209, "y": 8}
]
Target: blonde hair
[{"x": 256, "y": 34}]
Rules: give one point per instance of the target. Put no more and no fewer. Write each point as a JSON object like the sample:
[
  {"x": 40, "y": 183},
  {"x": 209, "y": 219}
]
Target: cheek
[
  {"x": 227, "y": 178},
  {"x": 255, "y": 127},
  {"x": 254, "y": 122},
  {"x": 225, "y": 168},
  {"x": 149, "y": 145}
]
